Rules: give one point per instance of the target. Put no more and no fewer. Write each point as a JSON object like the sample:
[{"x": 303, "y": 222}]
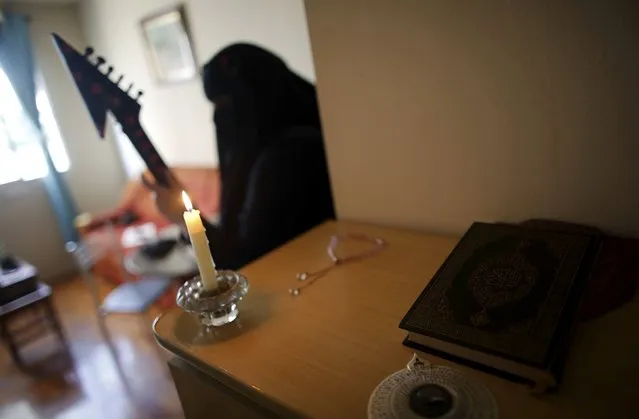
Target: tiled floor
[{"x": 92, "y": 382}]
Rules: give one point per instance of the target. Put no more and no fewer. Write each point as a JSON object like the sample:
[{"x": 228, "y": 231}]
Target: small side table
[
  {"x": 18, "y": 282},
  {"x": 35, "y": 300}
]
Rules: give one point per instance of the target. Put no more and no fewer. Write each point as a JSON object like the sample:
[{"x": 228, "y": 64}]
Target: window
[{"x": 21, "y": 156}]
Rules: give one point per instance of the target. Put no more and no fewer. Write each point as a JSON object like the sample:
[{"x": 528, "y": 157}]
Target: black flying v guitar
[{"x": 101, "y": 94}]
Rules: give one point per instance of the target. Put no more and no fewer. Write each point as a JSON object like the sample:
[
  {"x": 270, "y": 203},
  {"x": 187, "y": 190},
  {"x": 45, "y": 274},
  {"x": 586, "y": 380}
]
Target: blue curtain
[{"x": 16, "y": 59}]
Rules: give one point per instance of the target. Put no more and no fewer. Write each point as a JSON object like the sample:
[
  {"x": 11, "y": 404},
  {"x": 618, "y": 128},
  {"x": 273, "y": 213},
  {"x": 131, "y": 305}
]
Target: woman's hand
[{"x": 168, "y": 199}]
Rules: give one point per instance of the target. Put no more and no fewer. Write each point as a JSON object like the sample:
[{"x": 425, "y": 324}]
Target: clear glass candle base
[{"x": 215, "y": 308}]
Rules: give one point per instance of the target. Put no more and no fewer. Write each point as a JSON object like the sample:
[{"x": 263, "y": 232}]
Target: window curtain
[{"x": 16, "y": 59}]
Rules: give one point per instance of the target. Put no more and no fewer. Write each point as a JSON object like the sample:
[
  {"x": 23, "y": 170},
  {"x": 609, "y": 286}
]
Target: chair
[
  {"x": 40, "y": 298},
  {"x": 133, "y": 295}
]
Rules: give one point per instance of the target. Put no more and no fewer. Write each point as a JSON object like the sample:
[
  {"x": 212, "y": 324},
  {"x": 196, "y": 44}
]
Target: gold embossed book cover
[{"x": 505, "y": 298}]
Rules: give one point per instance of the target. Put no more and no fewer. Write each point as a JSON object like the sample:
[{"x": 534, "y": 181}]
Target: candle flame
[{"x": 187, "y": 201}]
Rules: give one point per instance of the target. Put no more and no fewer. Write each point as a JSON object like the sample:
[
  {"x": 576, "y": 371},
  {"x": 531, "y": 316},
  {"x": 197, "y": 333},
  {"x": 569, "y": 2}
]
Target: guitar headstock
[{"x": 100, "y": 92}]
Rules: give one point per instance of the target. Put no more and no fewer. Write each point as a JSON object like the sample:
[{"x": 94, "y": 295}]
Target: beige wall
[
  {"x": 440, "y": 113},
  {"x": 29, "y": 229},
  {"x": 27, "y": 224},
  {"x": 178, "y": 117}
]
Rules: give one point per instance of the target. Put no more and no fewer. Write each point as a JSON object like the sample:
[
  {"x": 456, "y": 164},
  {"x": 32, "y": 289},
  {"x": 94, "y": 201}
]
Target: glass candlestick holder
[{"x": 217, "y": 307}]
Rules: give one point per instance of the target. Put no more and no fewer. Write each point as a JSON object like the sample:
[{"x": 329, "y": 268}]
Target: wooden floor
[{"x": 91, "y": 382}]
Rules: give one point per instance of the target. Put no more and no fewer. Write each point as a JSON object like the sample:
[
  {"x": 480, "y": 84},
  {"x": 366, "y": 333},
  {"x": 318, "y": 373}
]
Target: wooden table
[{"x": 321, "y": 354}]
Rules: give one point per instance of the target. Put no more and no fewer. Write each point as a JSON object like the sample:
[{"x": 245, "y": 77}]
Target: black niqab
[{"x": 257, "y": 97}]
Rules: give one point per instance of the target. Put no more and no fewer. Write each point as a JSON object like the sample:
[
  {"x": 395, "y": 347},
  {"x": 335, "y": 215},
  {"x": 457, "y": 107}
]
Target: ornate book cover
[{"x": 505, "y": 292}]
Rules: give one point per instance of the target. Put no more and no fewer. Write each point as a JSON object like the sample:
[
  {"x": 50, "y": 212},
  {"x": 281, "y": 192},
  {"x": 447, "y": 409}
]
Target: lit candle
[{"x": 200, "y": 244}]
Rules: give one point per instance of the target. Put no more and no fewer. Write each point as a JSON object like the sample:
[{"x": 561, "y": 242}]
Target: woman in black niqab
[{"x": 273, "y": 170}]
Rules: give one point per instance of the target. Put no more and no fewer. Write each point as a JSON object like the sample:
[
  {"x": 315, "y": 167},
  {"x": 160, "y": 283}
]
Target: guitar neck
[{"x": 147, "y": 152}]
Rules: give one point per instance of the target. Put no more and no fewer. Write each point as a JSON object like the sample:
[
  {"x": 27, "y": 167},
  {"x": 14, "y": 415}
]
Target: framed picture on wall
[{"x": 168, "y": 44}]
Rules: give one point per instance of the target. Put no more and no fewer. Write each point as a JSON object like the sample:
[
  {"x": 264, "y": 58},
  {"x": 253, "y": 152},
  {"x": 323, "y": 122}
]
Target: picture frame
[{"x": 169, "y": 47}]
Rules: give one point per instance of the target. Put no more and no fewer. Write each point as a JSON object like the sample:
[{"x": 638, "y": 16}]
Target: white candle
[{"x": 200, "y": 244}]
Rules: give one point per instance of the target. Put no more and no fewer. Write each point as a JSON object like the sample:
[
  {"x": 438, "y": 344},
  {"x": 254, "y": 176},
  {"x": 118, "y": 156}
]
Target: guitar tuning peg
[
  {"x": 109, "y": 70},
  {"x": 129, "y": 88},
  {"x": 100, "y": 60},
  {"x": 119, "y": 80},
  {"x": 88, "y": 51},
  {"x": 140, "y": 93}
]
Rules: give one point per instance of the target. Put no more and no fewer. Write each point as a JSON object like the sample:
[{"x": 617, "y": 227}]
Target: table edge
[{"x": 224, "y": 378}]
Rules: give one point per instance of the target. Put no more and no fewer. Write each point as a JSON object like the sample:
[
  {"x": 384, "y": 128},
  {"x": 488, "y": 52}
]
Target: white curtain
[
  {"x": 21, "y": 154},
  {"x": 16, "y": 59}
]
